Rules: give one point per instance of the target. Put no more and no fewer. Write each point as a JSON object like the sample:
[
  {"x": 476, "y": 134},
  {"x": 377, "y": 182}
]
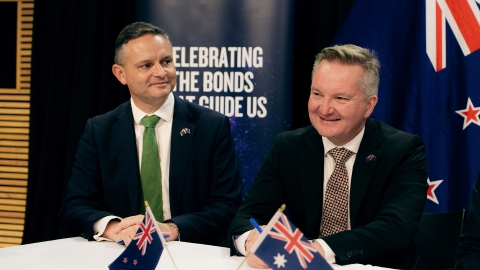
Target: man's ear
[
  {"x": 371, "y": 102},
  {"x": 119, "y": 72}
]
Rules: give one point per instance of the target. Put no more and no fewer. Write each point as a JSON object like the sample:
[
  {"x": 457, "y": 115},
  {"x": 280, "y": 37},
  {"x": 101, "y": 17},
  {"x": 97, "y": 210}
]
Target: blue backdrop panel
[{"x": 234, "y": 57}]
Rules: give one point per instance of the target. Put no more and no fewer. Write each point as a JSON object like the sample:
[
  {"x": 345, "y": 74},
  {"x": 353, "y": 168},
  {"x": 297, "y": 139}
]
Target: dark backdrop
[
  {"x": 72, "y": 55},
  {"x": 8, "y": 46}
]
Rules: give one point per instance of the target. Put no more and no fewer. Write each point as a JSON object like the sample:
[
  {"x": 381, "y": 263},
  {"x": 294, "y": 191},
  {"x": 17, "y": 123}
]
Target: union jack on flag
[
  {"x": 144, "y": 233},
  {"x": 135, "y": 256},
  {"x": 282, "y": 244},
  {"x": 282, "y": 230}
]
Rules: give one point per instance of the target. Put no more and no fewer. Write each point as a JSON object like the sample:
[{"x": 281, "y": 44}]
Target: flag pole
[
  {"x": 159, "y": 233},
  {"x": 282, "y": 207}
]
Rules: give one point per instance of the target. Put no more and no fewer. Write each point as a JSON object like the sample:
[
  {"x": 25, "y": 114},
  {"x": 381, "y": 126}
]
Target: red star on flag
[
  {"x": 432, "y": 185},
  {"x": 125, "y": 260},
  {"x": 470, "y": 114}
]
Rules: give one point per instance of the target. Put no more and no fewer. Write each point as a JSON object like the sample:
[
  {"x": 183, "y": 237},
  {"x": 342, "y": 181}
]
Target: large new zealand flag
[{"x": 429, "y": 83}]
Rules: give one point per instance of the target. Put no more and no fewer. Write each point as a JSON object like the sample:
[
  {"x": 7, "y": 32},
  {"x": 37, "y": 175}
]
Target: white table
[{"x": 78, "y": 253}]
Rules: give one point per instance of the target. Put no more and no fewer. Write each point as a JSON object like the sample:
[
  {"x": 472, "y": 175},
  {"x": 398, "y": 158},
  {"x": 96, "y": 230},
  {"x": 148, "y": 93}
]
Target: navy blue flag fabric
[
  {"x": 145, "y": 249},
  {"x": 234, "y": 57},
  {"x": 282, "y": 245},
  {"x": 429, "y": 83}
]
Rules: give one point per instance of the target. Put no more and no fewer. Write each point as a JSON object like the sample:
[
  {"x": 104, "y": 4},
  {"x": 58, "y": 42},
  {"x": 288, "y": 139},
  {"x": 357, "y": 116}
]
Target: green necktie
[{"x": 150, "y": 172}]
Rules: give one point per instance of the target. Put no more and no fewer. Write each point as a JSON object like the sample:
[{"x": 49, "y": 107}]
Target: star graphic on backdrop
[
  {"x": 125, "y": 260},
  {"x": 470, "y": 114},
  {"x": 432, "y": 185},
  {"x": 279, "y": 260}
]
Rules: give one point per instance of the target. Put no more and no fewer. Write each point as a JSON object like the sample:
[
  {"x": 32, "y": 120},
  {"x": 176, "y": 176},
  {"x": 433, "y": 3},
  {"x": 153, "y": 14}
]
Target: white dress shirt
[
  {"x": 163, "y": 134},
  {"x": 329, "y": 166}
]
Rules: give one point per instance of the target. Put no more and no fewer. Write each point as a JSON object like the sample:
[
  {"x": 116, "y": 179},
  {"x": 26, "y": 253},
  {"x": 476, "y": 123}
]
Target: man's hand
[
  {"x": 319, "y": 248},
  {"x": 123, "y": 230},
  {"x": 252, "y": 259},
  {"x": 126, "y": 229},
  {"x": 168, "y": 230}
]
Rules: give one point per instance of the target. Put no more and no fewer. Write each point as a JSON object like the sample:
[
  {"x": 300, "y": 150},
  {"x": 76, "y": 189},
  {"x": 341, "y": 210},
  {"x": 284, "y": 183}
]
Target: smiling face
[
  {"x": 337, "y": 107},
  {"x": 148, "y": 70}
]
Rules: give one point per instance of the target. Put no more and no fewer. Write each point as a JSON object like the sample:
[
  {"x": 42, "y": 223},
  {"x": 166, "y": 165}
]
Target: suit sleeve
[
  {"x": 394, "y": 222},
  {"x": 469, "y": 249},
  {"x": 262, "y": 199},
  {"x": 84, "y": 193},
  {"x": 209, "y": 224}
]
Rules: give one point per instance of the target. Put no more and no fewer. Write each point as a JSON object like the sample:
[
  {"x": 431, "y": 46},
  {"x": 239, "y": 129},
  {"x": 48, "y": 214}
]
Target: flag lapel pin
[
  {"x": 370, "y": 157},
  {"x": 184, "y": 131}
]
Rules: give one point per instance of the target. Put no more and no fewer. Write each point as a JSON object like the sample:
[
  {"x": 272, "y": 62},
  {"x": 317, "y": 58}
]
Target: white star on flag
[
  {"x": 279, "y": 260},
  {"x": 432, "y": 185},
  {"x": 470, "y": 114}
]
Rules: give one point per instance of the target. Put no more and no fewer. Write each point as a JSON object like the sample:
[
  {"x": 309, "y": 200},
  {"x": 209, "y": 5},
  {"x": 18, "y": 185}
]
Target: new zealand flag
[
  {"x": 145, "y": 249},
  {"x": 429, "y": 83},
  {"x": 282, "y": 245}
]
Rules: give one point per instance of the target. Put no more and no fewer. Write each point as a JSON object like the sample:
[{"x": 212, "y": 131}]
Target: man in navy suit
[
  {"x": 385, "y": 175},
  {"x": 200, "y": 182}
]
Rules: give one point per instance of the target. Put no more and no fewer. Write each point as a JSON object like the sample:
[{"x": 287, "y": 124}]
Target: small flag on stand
[
  {"x": 282, "y": 245},
  {"x": 145, "y": 249}
]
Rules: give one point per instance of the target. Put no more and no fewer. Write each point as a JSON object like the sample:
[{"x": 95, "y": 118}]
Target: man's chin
[
  {"x": 326, "y": 127},
  {"x": 161, "y": 92},
  {"x": 327, "y": 132}
]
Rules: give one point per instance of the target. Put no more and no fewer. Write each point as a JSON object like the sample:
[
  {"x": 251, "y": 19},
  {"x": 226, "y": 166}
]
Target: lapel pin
[
  {"x": 184, "y": 131},
  {"x": 370, "y": 157}
]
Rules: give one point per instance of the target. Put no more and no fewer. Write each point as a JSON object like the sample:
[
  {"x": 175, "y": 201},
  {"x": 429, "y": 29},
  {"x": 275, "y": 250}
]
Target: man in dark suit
[
  {"x": 199, "y": 179},
  {"x": 385, "y": 175},
  {"x": 469, "y": 250}
]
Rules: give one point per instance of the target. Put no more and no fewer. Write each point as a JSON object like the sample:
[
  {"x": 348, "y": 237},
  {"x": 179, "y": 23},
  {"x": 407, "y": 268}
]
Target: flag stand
[{"x": 164, "y": 243}]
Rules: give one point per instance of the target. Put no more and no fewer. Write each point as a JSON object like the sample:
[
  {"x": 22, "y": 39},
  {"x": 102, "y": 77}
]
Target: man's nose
[
  {"x": 158, "y": 70},
  {"x": 326, "y": 106}
]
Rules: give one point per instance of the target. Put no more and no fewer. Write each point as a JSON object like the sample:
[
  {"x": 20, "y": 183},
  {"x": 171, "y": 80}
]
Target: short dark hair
[
  {"x": 133, "y": 31},
  {"x": 350, "y": 54}
]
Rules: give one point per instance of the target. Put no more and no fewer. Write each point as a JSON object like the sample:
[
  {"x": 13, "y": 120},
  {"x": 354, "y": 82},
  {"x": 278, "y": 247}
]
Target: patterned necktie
[
  {"x": 150, "y": 171},
  {"x": 335, "y": 209}
]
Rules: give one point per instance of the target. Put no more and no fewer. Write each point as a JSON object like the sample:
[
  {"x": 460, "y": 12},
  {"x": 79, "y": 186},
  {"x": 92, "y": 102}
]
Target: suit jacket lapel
[
  {"x": 123, "y": 136},
  {"x": 311, "y": 160},
  {"x": 363, "y": 168},
  {"x": 181, "y": 147}
]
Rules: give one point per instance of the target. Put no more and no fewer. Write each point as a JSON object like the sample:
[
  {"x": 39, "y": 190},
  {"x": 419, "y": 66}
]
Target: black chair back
[{"x": 437, "y": 240}]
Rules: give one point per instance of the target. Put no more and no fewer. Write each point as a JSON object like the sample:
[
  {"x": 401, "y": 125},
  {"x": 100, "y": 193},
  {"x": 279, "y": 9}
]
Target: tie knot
[
  {"x": 150, "y": 121},
  {"x": 340, "y": 155}
]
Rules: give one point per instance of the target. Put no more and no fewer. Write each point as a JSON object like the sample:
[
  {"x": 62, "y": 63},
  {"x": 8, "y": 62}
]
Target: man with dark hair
[
  {"x": 178, "y": 156},
  {"x": 354, "y": 185}
]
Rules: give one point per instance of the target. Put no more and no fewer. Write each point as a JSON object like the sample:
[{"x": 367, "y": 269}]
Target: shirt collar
[
  {"x": 165, "y": 112},
  {"x": 352, "y": 145}
]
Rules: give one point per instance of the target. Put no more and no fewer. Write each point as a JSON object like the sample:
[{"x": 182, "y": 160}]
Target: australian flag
[
  {"x": 282, "y": 245},
  {"x": 145, "y": 249},
  {"x": 429, "y": 51}
]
